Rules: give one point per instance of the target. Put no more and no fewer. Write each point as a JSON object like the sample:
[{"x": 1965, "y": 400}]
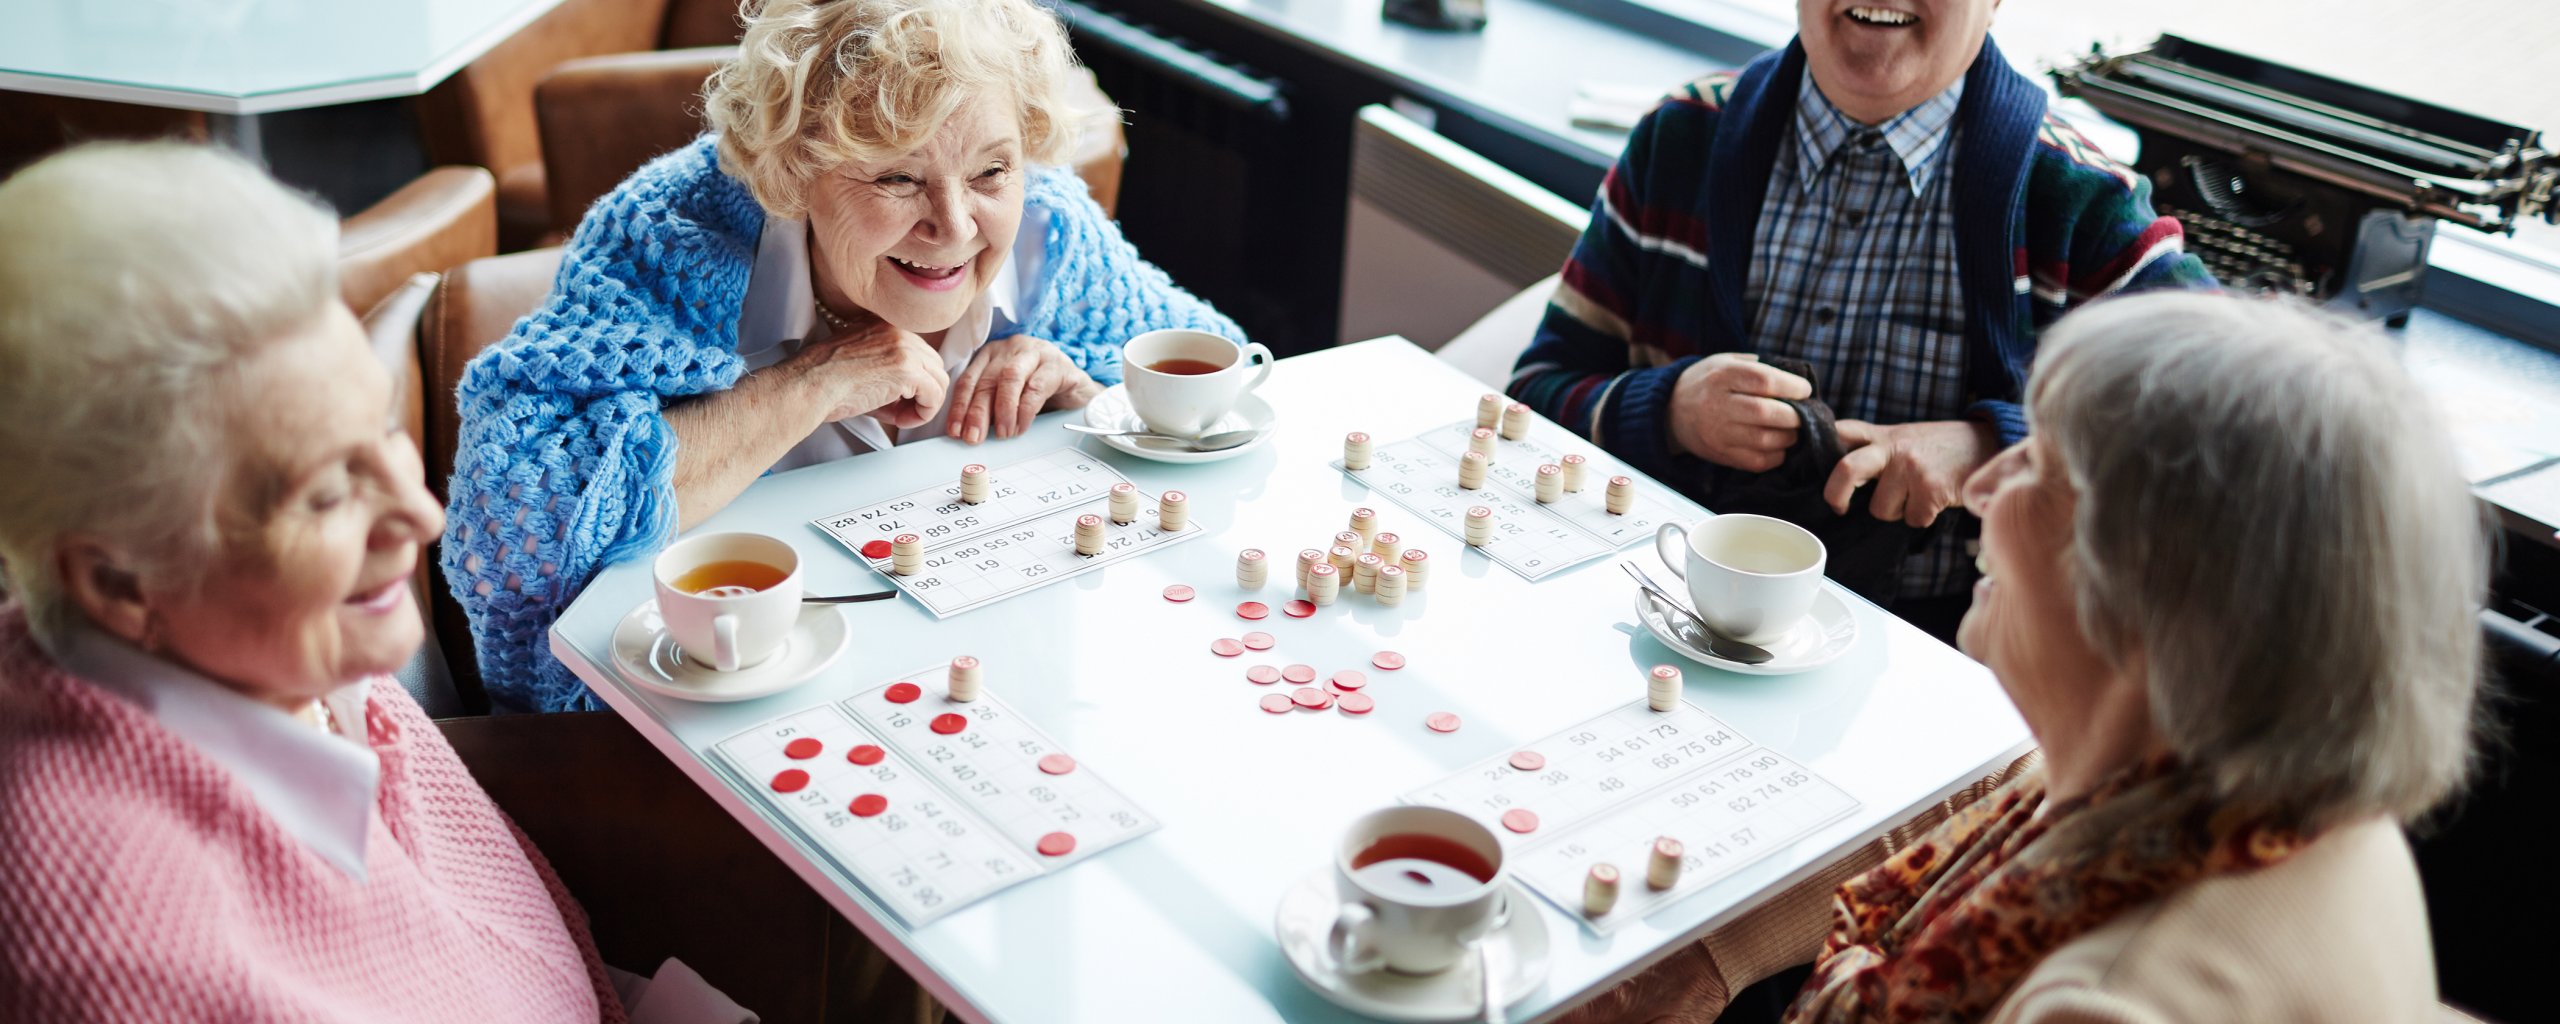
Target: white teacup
[
  {"x": 1751, "y": 577},
  {"x": 1420, "y": 885},
  {"x": 732, "y": 615},
  {"x": 1202, "y": 375}
]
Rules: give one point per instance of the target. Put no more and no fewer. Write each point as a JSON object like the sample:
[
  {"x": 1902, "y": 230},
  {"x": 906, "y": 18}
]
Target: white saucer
[
  {"x": 1111, "y": 410},
  {"x": 649, "y": 658},
  {"x": 1826, "y": 633},
  {"x": 1305, "y": 925}
]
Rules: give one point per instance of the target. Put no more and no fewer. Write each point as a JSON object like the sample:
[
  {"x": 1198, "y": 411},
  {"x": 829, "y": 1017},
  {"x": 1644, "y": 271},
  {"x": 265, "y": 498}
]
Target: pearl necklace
[{"x": 832, "y": 319}]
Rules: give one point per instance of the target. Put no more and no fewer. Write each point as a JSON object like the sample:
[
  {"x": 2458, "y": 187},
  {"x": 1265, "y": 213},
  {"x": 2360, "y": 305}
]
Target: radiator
[{"x": 1437, "y": 235}]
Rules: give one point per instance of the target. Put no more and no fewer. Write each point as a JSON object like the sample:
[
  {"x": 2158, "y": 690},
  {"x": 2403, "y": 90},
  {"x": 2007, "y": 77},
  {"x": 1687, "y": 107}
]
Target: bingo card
[
  {"x": 930, "y": 803},
  {"x": 1602, "y": 791},
  {"x": 1532, "y": 539},
  {"x": 1021, "y": 538}
]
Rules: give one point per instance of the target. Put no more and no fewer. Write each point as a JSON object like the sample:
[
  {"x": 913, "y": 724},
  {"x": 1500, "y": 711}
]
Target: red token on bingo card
[
  {"x": 869, "y": 804},
  {"x": 1225, "y": 648},
  {"x": 1528, "y": 760},
  {"x": 1277, "y": 703},
  {"x": 1057, "y": 844},
  {"x": 1350, "y": 679},
  {"x": 790, "y": 780},
  {"x": 1520, "y": 819},
  {"x": 903, "y": 693},
  {"x": 1057, "y": 764},
  {"x": 1311, "y": 698},
  {"x": 1388, "y": 660},
  {"x": 876, "y": 549},
  {"x": 1299, "y": 674},
  {"x": 802, "y": 749},
  {"x": 1258, "y": 641},
  {"x": 1177, "y": 593},
  {"x": 1442, "y": 721},
  {"x": 1252, "y": 610},
  {"x": 866, "y": 754},
  {"x": 1263, "y": 675},
  {"x": 948, "y": 724},
  {"x": 1299, "y": 609},
  {"x": 1356, "y": 703}
]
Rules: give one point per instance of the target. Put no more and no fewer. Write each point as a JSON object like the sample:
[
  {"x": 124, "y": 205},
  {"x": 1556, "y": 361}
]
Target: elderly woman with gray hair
[
  {"x": 874, "y": 246},
  {"x": 2231, "y": 582}
]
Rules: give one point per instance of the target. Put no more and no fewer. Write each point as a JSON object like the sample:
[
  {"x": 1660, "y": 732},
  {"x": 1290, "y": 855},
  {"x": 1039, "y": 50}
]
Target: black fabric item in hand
[{"x": 1864, "y": 553}]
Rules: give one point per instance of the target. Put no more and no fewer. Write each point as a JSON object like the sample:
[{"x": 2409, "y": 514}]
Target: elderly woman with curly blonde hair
[
  {"x": 2231, "y": 582},
  {"x": 873, "y": 246}
]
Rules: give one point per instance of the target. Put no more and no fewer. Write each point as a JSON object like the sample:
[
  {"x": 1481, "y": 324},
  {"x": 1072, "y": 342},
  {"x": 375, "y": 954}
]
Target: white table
[
  {"x": 240, "y": 59},
  {"x": 1177, "y": 925}
]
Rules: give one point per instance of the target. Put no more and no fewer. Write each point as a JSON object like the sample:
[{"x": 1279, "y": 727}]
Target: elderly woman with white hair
[
  {"x": 2231, "y": 582},
  {"x": 875, "y": 245},
  {"x": 214, "y": 802}
]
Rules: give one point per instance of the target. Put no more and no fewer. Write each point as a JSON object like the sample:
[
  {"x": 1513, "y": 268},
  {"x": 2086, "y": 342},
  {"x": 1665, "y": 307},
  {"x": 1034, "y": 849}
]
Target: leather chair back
[
  {"x": 445, "y": 217},
  {"x": 392, "y": 326}
]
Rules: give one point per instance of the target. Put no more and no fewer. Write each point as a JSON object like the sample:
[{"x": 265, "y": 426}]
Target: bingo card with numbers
[
  {"x": 1603, "y": 791},
  {"x": 1533, "y": 539},
  {"x": 929, "y": 803},
  {"x": 1021, "y": 538}
]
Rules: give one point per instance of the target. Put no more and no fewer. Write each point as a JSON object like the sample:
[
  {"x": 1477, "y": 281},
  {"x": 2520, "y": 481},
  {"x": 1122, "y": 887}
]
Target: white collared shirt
[
  {"x": 319, "y": 787},
  {"x": 781, "y": 311}
]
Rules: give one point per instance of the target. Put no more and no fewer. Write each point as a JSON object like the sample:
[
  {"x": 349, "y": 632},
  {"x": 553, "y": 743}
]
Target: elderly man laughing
[{"x": 1884, "y": 208}]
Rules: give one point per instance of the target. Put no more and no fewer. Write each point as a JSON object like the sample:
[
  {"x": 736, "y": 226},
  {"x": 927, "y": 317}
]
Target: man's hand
[
  {"x": 1725, "y": 409},
  {"x": 875, "y": 369},
  {"x": 1685, "y": 988},
  {"x": 1010, "y": 381},
  {"x": 1919, "y": 468}
]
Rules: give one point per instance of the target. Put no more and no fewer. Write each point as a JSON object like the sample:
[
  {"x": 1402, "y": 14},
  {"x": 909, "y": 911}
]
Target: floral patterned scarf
[{"x": 1944, "y": 930}]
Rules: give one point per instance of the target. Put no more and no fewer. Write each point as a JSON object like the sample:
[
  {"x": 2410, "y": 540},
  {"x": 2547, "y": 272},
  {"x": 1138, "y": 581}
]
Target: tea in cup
[
  {"x": 1752, "y": 578},
  {"x": 1181, "y": 381},
  {"x": 729, "y": 599},
  {"x": 1421, "y": 886}
]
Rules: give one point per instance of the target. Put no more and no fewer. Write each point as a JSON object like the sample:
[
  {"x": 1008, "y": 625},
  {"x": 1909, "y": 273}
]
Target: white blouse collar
[{"x": 319, "y": 788}]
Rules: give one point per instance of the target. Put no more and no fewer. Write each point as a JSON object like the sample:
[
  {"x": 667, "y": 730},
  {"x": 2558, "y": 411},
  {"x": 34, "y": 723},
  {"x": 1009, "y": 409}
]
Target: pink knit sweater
[{"x": 139, "y": 882}]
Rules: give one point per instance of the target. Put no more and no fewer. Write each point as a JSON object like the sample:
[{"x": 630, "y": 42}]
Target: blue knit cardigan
[{"x": 565, "y": 462}]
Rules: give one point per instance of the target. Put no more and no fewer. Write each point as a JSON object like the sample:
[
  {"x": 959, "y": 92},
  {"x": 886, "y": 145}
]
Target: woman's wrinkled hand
[
  {"x": 875, "y": 370},
  {"x": 1685, "y": 988},
  {"x": 1010, "y": 381}
]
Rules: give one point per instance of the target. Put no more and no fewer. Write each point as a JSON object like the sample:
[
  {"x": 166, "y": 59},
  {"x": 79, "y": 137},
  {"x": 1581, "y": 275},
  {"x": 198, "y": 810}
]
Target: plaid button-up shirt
[{"x": 1853, "y": 270}]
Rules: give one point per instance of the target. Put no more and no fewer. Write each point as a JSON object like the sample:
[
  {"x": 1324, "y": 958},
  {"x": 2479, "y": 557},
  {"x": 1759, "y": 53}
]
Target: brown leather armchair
[
  {"x": 446, "y": 217},
  {"x": 602, "y": 117}
]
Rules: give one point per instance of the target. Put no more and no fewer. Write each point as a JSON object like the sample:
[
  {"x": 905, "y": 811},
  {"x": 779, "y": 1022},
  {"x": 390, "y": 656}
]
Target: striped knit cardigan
[
  {"x": 565, "y": 462},
  {"x": 2044, "y": 222}
]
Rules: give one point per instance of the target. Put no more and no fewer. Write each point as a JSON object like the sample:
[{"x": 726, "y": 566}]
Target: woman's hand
[
  {"x": 874, "y": 370},
  {"x": 1010, "y": 381}
]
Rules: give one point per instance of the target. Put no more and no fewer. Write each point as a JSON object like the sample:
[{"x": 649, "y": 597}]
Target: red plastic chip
[
  {"x": 1177, "y": 593},
  {"x": 1252, "y": 610},
  {"x": 1225, "y": 648},
  {"x": 1057, "y": 764},
  {"x": 1388, "y": 660},
  {"x": 790, "y": 780},
  {"x": 1277, "y": 703},
  {"x": 866, "y": 754},
  {"x": 802, "y": 749},
  {"x": 876, "y": 549},
  {"x": 1528, "y": 760},
  {"x": 1299, "y": 674},
  {"x": 869, "y": 804},
  {"x": 948, "y": 724},
  {"x": 1057, "y": 844},
  {"x": 903, "y": 693},
  {"x": 1356, "y": 704},
  {"x": 1258, "y": 641},
  {"x": 1311, "y": 698},
  {"x": 1300, "y": 608},
  {"x": 1350, "y": 679},
  {"x": 1262, "y": 675},
  {"x": 1520, "y": 819},
  {"x": 1442, "y": 721}
]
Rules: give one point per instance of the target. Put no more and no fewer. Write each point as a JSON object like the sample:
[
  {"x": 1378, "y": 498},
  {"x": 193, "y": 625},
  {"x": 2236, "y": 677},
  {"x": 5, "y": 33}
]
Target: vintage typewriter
[{"x": 2291, "y": 182}]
